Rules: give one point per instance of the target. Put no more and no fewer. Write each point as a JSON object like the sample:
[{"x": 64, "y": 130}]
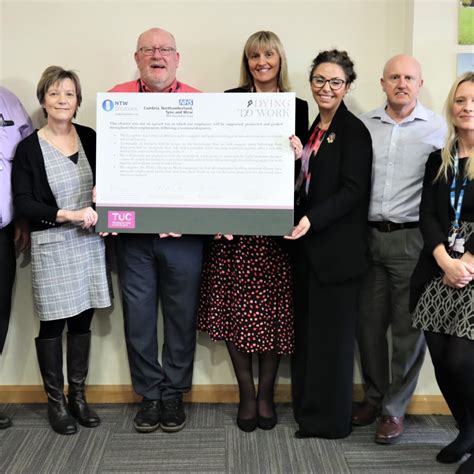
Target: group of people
[{"x": 365, "y": 207}]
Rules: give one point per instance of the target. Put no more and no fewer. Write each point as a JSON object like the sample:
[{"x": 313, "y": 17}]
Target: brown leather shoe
[
  {"x": 364, "y": 414},
  {"x": 389, "y": 429}
]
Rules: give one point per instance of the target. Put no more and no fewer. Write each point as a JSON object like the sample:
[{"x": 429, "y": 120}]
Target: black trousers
[
  {"x": 7, "y": 277},
  {"x": 322, "y": 365}
]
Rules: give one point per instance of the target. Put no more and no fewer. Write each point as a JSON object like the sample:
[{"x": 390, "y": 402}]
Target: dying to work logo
[
  {"x": 108, "y": 105},
  {"x": 266, "y": 108}
]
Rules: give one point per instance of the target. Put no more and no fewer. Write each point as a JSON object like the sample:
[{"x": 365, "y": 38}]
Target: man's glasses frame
[{"x": 151, "y": 50}]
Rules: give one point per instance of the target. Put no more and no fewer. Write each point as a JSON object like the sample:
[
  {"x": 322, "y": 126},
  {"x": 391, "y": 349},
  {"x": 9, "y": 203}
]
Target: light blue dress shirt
[{"x": 400, "y": 154}]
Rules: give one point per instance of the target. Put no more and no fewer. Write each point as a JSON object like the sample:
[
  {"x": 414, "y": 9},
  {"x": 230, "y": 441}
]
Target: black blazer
[
  {"x": 338, "y": 200},
  {"x": 435, "y": 223},
  {"x": 32, "y": 195}
]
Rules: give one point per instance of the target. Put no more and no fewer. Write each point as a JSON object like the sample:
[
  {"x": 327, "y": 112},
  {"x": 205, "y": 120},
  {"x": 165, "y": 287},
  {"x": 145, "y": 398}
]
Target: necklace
[{"x": 67, "y": 145}]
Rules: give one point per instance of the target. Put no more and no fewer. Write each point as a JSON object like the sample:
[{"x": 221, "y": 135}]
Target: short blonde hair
[
  {"x": 264, "y": 40},
  {"x": 53, "y": 74},
  {"x": 450, "y": 144}
]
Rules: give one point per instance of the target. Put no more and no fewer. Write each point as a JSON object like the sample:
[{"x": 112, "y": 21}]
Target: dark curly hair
[{"x": 341, "y": 58}]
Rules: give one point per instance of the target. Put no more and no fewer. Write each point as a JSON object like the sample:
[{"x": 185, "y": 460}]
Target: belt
[{"x": 387, "y": 226}]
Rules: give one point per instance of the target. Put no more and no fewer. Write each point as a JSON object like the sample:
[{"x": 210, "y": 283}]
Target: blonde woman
[
  {"x": 442, "y": 290},
  {"x": 246, "y": 295}
]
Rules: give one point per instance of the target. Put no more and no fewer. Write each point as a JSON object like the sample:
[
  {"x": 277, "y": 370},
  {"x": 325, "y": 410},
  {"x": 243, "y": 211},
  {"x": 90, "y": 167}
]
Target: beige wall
[{"x": 97, "y": 39}]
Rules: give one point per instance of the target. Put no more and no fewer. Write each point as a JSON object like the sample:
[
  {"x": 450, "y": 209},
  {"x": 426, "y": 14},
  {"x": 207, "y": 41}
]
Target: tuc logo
[{"x": 121, "y": 219}]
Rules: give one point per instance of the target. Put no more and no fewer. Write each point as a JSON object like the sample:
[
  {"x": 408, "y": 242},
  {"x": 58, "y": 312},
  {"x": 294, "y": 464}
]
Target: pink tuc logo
[{"x": 121, "y": 219}]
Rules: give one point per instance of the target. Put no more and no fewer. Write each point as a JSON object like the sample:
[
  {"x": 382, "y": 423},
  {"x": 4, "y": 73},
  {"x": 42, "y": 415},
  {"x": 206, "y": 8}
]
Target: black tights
[
  {"x": 453, "y": 361},
  {"x": 79, "y": 324},
  {"x": 268, "y": 363}
]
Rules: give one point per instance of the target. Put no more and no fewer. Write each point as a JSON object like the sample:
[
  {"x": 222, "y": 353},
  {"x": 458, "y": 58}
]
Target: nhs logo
[{"x": 185, "y": 101}]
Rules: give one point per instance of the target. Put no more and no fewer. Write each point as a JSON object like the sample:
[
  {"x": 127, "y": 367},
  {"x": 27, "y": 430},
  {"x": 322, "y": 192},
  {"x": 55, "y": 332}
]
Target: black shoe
[
  {"x": 300, "y": 434},
  {"x": 5, "y": 421},
  {"x": 174, "y": 417},
  {"x": 269, "y": 423},
  {"x": 50, "y": 359},
  {"x": 467, "y": 467},
  {"x": 78, "y": 347},
  {"x": 59, "y": 417},
  {"x": 456, "y": 450},
  {"x": 148, "y": 418},
  {"x": 247, "y": 425}
]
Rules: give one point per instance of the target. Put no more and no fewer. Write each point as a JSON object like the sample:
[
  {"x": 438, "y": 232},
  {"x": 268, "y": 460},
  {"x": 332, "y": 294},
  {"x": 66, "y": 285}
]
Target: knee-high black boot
[
  {"x": 50, "y": 359},
  {"x": 78, "y": 347}
]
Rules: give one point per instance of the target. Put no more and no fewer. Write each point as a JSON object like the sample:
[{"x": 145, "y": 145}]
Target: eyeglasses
[
  {"x": 150, "y": 50},
  {"x": 319, "y": 81}
]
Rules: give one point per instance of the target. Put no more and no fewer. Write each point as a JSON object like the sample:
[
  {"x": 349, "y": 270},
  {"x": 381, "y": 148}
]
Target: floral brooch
[{"x": 331, "y": 137}]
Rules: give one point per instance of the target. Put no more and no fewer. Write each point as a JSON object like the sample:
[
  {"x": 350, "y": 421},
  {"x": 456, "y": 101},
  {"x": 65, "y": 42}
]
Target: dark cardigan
[
  {"x": 32, "y": 195},
  {"x": 435, "y": 224}
]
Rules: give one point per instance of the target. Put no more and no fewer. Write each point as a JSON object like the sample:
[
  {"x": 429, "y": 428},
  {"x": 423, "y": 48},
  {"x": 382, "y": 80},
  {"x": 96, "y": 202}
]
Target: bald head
[
  {"x": 401, "y": 83},
  {"x": 402, "y": 61},
  {"x": 151, "y": 33}
]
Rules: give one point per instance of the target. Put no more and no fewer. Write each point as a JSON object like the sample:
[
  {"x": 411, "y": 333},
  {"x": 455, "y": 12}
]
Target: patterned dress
[
  {"x": 246, "y": 295},
  {"x": 443, "y": 309},
  {"x": 246, "y": 290},
  {"x": 447, "y": 310},
  {"x": 69, "y": 273}
]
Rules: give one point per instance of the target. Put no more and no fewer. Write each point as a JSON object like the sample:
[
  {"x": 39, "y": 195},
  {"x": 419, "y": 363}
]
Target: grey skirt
[{"x": 69, "y": 272}]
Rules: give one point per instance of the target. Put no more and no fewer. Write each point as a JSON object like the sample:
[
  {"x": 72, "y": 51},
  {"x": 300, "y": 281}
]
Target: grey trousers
[{"x": 390, "y": 381}]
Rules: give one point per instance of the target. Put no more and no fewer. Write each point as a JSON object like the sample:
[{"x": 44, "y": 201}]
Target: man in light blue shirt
[{"x": 404, "y": 133}]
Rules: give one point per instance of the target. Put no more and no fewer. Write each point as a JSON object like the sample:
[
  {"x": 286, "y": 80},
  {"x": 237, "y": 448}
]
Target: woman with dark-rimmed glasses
[{"x": 332, "y": 204}]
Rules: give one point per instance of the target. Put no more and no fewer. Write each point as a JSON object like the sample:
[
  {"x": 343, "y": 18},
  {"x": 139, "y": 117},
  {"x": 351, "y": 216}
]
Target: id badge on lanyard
[{"x": 455, "y": 242}]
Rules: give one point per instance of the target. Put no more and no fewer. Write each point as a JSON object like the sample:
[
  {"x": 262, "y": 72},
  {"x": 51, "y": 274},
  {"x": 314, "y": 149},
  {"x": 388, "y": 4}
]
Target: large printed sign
[{"x": 195, "y": 163}]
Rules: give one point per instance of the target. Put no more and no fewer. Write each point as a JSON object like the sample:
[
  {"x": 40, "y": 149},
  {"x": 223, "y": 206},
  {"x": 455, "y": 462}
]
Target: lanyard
[{"x": 456, "y": 206}]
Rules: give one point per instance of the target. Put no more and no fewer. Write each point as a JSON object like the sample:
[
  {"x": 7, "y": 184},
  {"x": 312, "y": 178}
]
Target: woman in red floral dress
[{"x": 246, "y": 295}]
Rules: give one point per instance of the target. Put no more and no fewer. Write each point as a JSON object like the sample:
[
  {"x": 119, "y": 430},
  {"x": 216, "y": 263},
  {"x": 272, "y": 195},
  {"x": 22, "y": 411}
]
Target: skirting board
[{"x": 419, "y": 405}]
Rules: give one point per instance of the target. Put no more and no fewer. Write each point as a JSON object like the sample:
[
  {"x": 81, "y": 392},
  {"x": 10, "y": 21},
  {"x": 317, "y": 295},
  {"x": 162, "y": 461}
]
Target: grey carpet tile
[
  {"x": 166, "y": 452},
  {"x": 311, "y": 455},
  {"x": 206, "y": 415},
  {"x": 211, "y": 443},
  {"x": 414, "y": 453}
]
